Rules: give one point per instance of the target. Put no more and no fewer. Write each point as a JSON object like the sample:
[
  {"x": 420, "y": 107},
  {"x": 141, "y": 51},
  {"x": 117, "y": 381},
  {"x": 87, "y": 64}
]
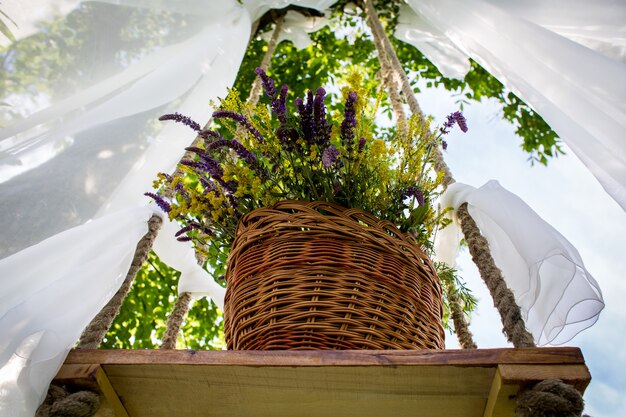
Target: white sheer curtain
[
  {"x": 90, "y": 152},
  {"x": 64, "y": 164},
  {"x": 559, "y": 298},
  {"x": 566, "y": 60},
  {"x": 46, "y": 301}
]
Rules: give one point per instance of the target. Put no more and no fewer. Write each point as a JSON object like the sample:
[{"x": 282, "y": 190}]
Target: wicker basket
[{"x": 314, "y": 275}]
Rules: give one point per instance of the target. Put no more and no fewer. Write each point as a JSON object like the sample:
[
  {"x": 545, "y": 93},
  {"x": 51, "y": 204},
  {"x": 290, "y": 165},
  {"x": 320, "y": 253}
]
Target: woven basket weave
[{"x": 315, "y": 275}]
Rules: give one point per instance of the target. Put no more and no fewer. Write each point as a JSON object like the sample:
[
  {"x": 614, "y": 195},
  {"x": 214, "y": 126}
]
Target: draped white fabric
[
  {"x": 559, "y": 298},
  {"x": 95, "y": 151},
  {"x": 46, "y": 301},
  {"x": 91, "y": 152},
  {"x": 296, "y": 28},
  {"x": 434, "y": 44},
  {"x": 541, "y": 51}
]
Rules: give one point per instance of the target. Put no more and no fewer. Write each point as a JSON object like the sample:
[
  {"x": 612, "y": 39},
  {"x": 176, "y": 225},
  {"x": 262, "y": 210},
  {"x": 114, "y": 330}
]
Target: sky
[{"x": 568, "y": 197}]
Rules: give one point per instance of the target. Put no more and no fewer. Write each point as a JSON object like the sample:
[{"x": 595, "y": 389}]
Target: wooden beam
[
  {"x": 501, "y": 401},
  {"x": 523, "y": 375},
  {"x": 474, "y": 357},
  {"x": 109, "y": 394}
]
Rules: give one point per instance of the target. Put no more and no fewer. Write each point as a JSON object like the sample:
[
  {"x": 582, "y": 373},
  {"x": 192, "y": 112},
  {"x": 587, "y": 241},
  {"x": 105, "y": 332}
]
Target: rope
[
  {"x": 389, "y": 81},
  {"x": 61, "y": 403},
  {"x": 503, "y": 298},
  {"x": 461, "y": 328},
  {"x": 386, "y": 49},
  {"x": 175, "y": 320},
  {"x": 550, "y": 398},
  {"x": 96, "y": 330},
  {"x": 181, "y": 306},
  {"x": 255, "y": 91},
  {"x": 510, "y": 313}
]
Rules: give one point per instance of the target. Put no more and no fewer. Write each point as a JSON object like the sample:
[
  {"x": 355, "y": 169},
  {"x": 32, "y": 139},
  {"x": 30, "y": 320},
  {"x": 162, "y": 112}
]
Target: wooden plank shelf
[{"x": 445, "y": 383}]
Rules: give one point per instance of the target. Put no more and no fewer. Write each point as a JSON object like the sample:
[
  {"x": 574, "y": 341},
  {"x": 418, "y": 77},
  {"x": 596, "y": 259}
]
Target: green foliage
[
  {"x": 451, "y": 282},
  {"x": 302, "y": 69},
  {"x": 141, "y": 321}
]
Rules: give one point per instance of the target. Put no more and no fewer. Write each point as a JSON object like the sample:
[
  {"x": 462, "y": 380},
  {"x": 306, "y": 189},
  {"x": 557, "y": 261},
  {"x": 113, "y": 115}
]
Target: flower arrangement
[{"x": 266, "y": 153}]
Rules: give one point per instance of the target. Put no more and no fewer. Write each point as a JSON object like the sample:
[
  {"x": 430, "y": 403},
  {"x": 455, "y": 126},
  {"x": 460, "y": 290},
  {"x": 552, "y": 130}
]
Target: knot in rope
[
  {"x": 550, "y": 398},
  {"x": 61, "y": 403}
]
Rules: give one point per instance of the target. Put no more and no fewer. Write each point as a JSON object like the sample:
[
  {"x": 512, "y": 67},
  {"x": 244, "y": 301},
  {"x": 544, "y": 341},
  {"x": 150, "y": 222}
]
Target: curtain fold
[
  {"x": 544, "y": 57},
  {"x": 558, "y": 297}
]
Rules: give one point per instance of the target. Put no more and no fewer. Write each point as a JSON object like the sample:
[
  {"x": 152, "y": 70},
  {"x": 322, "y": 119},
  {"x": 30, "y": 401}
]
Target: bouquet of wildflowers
[{"x": 271, "y": 152}]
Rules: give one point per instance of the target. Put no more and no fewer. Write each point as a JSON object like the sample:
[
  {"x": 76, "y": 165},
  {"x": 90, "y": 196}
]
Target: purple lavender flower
[
  {"x": 362, "y": 145},
  {"x": 207, "y": 184},
  {"x": 451, "y": 119},
  {"x": 268, "y": 83},
  {"x": 207, "y": 133},
  {"x": 206, "y": 166},
  {"x": 306, "y": 122},
  {"x": 279, "y": 106},
  {"x": 194, "y": 226},
  {"x": 306, "y": 117},
  {"x": 160, "y": 201},
  {"x": 248, "y": 157},
  {"x": 210, "y": 166},
  {"x": 444, "y": 145},
  {"x": 299, "y": 105},
  {"x": 414, "y": 192},
  {"x": 183, "y": 239},
  {"x": 321, "y": 126},
  {"x": 187, "y": 121},
  {"x": 239, "y": 118},
  {"x": 185, "y": 229},
  {"x": 329, "y": 156},
  {"x": 349, "y": 122},
  {"x": 460, "y": 119}
]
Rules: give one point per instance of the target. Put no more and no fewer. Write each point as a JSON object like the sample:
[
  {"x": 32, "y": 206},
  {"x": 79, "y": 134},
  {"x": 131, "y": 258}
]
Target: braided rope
[
  {"x": 387, "y": 50},
  {"x": 550, "y": 398},
  {"x": 461, "y": 328},
  {"x": 61, "y": 403},
  {"x": 175, "y": 320},
  {"x": 96, "y": 330},
  {"x": 389, "y": 81},
  {"x": 255, "y": 91}
]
